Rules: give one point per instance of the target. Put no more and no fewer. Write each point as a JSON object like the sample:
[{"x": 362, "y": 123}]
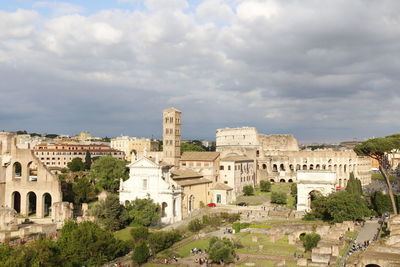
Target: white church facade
[{"x": 149, "y": 179}]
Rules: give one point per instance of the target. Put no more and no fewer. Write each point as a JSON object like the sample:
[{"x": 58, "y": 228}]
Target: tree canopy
[
  {"x": 378, "y": 149},
  {"x": 143, "y": 212},
  {"x": 354, "y": 185},
  {"x": 344, "y": 206},
  {"x": 76, "y": 165},
  {"x": 107, "y": 172}
]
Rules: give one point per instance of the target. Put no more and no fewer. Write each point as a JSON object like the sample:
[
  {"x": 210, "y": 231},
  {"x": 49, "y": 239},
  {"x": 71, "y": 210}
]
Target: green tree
[
  {"x": 221, "y": 250},
  {"x": 248, "y": 190},
  {"x": 76, "y": 165},
  {"x": 319, "y": 207},
  {"x": 186, "y": 146},
  {"x": 381, "y": 202},
  {"x": 83, "y": 190},
  {"x": 265, "y": 186},
  {"x": 143, "y": 212},
  {"x": 161, "y": 240},
  {"x": 343, "y": 206},
  {"x": 110, "y": 213},
  {"x": 354, "y": 185},
  {"x": 89, "y": 245},
  {"x": 278, "y": 197},
  {"x": 107, "y": 173},
  {"x": 310, "y": 241},
  {"x": 195, "y": 225},
  {"x": 378, "y": 149},
  {"x": 88, "y": 161},
  {"x": 140, "y": 253},
  {"x": 139, "y": 233}
]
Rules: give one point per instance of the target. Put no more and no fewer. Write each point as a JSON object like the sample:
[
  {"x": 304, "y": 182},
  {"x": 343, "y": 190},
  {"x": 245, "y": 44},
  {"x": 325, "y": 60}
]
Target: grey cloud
[{"x": 322, "y": 71}]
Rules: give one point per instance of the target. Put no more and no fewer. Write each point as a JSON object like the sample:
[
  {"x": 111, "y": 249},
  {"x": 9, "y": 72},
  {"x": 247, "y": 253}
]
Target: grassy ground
[
  {"x": 261, "y": 197},
  {"x": 378, "y": 176},
  {"x": 123, "y": 234},
  {"x": 185, "y": 250},
  {"x": 279, "y": 248},
  {"x": 267, "y": 263}
]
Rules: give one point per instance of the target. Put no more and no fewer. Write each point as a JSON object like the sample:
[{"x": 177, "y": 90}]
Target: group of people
[
  {"x": 202, "y": 260},
  {"x": 168, "y": 261},
  {"x": 359, "y": 246},
  {"x": 228, "y": 231}
]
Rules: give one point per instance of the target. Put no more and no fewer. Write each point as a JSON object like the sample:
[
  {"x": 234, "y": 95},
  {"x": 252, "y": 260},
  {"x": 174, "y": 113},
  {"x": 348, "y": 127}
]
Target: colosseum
[{"x": 278, "y": 156}]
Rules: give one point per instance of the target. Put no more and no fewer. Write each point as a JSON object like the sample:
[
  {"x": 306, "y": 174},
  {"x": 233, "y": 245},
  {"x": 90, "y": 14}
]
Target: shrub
[
  {"x": 310, "y": 241},
  {"x": 278, "y": 197},
  {"x": 195, "y": 225},
  {"x": 293, "y": 189},
  {"x": 221, "y": 250},
  {"x": 265, "y": 186},
  {"x": 248, "y": 190},
  {"x": 139, "y": 233},
  {"x": 159, "y": 241},
  {"x": 140, "y": 253},
  {"x": 236, "y": 227}
]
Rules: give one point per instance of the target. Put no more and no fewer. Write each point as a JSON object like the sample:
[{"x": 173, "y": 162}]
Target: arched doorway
[
  {"x": 191, "y": 203},
  {"x": 272, "y": 180},
  {"x": 31, "y": 197},
  {"x": 282, "y": 181},
  {"x": 46, "y": 204},
  {"x": 372, "y": 265},
  {"x": 17, "y": 170},
  {"x": 164, "y": 206},
  {"x": 290, "y": 181},
  {"x": 32, "y": 172},
  {"x": 16, "y": 201}
]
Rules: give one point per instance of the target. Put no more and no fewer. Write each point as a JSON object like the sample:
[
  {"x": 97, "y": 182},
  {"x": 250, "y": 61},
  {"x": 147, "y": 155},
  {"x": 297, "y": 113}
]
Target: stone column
[
  {"x": 24, "y": 204},
  {"x": 39, "y": 206}
]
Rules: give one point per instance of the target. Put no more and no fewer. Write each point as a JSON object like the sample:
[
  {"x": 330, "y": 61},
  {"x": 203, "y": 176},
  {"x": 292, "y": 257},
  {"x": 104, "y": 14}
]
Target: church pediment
[{"x": 143, "y": 162}]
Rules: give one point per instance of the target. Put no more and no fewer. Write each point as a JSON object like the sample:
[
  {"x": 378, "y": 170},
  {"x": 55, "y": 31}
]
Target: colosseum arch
[{"x": 308, "y": 181}]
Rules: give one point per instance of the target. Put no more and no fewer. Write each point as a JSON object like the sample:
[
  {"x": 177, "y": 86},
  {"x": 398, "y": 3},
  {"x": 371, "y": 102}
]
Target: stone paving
[{"x": 368, "y": 231}]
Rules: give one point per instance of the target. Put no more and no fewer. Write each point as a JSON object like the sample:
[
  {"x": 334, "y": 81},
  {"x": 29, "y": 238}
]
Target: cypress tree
[{"x": 88, "y": 160}]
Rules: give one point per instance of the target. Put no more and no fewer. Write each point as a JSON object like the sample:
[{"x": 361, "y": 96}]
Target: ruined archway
[
  {"x": 272, "y": 180},
  {"x": 31, "y": 202},
  {"x": 17, "y": 170},
  {"x": 282, "y": 180},
  {"x": 32, "y": 172},
  {"x": 16, "y": 201},
  {"x": 46, "y": 204},
  {"x": 372, "y": 265},
  {"x": 290, "y": 181}
]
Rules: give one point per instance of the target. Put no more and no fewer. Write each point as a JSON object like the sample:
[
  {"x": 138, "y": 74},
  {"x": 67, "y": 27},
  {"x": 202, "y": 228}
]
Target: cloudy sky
[{"x": 321, "y": 70}]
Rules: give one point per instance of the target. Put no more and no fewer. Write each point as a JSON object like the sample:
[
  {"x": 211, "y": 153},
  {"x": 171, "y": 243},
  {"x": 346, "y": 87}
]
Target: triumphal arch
[{"x": 308, "y": 182}]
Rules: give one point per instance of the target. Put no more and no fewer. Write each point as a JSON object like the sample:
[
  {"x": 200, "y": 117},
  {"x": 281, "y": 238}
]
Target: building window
[
  {"x": 229, "y": 167},
  {"x": 221, "y": 167}
]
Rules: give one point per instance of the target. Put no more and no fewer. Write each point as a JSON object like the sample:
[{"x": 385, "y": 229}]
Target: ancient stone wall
[{"x": 27, "y": 185}]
